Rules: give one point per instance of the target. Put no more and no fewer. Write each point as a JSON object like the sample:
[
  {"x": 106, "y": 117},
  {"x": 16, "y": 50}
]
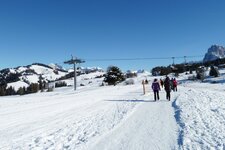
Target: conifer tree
[
  {"x": 114, "y": 75},
  {"x": 214, "y": 71}
]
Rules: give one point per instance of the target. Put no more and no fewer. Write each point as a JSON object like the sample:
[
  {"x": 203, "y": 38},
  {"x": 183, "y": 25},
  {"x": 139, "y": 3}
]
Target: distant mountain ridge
[
  {"x": 214, "y": 52},
  {"x": 32, "y": 73}
]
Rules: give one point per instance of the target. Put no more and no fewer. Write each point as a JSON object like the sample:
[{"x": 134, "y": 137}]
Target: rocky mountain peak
[{"x": 214, "y": 52}]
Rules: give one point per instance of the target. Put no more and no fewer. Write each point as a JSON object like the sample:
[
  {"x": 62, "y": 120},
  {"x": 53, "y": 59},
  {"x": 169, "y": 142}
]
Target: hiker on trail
[
  {"x": 156, "y": 88},
  {"x": 161, "y": 83},
  {"x": 146, "y": 81},
  {"x": 174, "y": 85},
  {"x": 171, "y": 84},
  {"x": 167, "y": 85}
]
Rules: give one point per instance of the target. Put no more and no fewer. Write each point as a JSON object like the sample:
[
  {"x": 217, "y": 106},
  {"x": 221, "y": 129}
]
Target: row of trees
[
  {"x": 114, "y": 76},
  {"x": 177, "y": 68},
  {"x": 181, "y": 68},
  {"x": 32, "y": 88}
]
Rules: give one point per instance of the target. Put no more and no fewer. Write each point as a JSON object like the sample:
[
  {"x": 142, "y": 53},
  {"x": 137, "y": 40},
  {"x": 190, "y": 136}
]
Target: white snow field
[{"x": 115, "y": 117}]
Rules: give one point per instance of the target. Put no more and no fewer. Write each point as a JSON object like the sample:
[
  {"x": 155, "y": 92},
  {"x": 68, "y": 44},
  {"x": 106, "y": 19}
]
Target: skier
[
  {"x": 167, "y": 87},
  {"x": 175, "y": 85},
  {"x": 161, "y": 82},
  {"x": 156, "y": 88}
]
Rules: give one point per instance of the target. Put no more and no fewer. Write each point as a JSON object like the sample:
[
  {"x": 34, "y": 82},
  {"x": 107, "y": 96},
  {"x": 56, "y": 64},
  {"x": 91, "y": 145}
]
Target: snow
[
  {"x": 31, "y": 78},
  {"x": 116, "y": 117},
  {"x": 148, "y": 126},
  {"x": 47, "y": 72},
  {"x": 12, "y": 71},
  {"x": 17, "y": 85},
  {"x": 202, "y": 114},
  {"x": 21, "y": 69}
]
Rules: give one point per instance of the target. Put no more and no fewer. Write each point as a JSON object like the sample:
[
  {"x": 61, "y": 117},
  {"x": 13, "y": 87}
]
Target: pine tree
[
  {"x": 10, "y": 91},
  {"x": 41, "y": 84},
  {"x": 3, "y": 86},
  {"x": 33, "y": 88},
  {"x": 114, "y": 75},
  {"x": 214, "y": 71},
  {"x": 21, "y": 91},
  {"x": 2, "y": 90}
]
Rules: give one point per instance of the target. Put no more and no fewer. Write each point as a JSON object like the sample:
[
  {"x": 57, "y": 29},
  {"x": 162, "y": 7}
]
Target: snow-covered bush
[
  {"x": 60, "y": 84},
  {"x": 50, "y": 89},
  {"x": 200, "y": 73},
  {"x": 130, "y": 74},
  {"x": 129, "y": 82},
  {"x": 192, "y": 77}
]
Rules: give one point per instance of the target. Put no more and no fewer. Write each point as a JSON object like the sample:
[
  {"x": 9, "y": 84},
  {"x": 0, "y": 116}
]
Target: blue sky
[{"x": 49, "y": 31}]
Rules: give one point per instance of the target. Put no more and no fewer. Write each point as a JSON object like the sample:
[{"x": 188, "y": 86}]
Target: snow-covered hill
[
  {"x": 116, "y": 117},
  {"x": 25, "y": 75}
]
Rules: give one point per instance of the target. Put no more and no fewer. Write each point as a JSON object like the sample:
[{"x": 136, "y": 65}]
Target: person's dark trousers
[
  {"x": 175, "y": 88},
  {"x": 156, "y": 95},
  {"x": 168, "y": 95}
]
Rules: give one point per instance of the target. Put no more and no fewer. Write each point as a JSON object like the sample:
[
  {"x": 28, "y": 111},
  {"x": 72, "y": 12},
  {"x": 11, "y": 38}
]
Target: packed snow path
[
  {"x": 81, "y": 120},
  {"x": 150, "y": 126}
]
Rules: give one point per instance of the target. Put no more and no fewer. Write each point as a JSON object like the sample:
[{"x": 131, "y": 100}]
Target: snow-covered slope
[
  {"x": 115, "y": 117},
  {"x": 31, "y": 73},
  {"x": 24, "y": 76}
]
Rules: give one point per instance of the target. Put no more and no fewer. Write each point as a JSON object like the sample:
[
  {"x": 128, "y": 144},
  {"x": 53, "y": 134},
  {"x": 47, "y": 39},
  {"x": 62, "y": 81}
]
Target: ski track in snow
[{"x": 45, "y": 129}]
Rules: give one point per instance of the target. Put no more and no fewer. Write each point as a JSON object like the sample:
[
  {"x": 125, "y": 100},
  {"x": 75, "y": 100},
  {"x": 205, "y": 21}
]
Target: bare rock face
[{"x": 214, "y": 52}]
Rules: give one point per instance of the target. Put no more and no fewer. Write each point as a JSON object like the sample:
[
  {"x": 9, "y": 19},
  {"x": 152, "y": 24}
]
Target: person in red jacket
[
  {"x": 156, "y": 88},
  {"x": 175, "y": 85}
]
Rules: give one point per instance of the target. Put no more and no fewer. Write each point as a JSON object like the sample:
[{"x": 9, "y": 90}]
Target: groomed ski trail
[
  {"x": 151, "y": 126},
  {"x": 96, "y": 119}
]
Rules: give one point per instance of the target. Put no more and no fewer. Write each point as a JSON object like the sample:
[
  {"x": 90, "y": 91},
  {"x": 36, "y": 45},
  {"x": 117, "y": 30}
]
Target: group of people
[{"x": 168, "y": 84}]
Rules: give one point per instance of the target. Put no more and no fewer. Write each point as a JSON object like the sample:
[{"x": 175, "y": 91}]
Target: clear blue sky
[{"x": 49, "y": 31}]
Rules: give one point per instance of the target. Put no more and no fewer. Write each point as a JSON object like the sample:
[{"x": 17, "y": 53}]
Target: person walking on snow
[
  {"x": 156, "y": 88},
  {"x": 167, "y": 86},
  {"x": 161, "y": 82},
  {"x": 175, "y": 85}
]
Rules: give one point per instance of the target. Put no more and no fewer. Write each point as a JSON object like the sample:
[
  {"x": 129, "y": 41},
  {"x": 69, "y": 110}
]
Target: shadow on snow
[
  {"x": 179, "y": 122},
  {"x": 131, "y": 101},
  {"x": 135, "y": 101}
]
